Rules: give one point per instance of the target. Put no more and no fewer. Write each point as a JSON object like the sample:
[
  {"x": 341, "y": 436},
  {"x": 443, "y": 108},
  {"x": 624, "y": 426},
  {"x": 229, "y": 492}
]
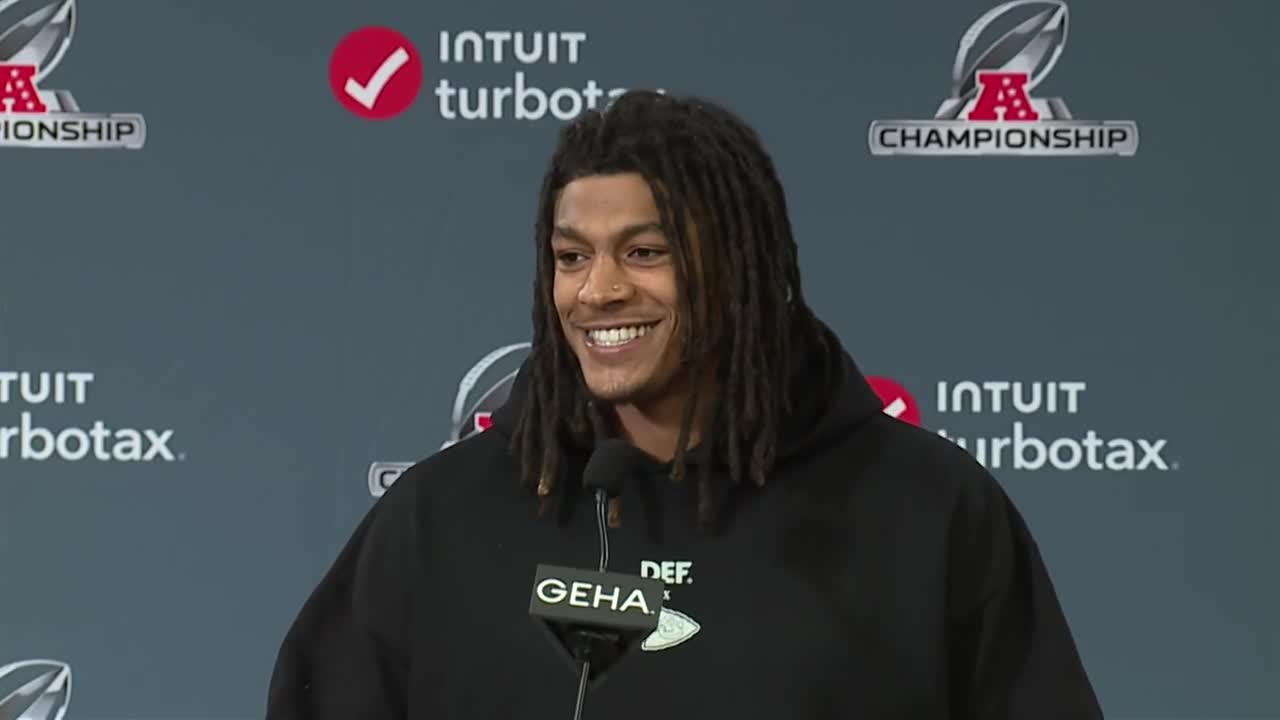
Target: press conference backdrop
[{"x": 274, "y": 297}]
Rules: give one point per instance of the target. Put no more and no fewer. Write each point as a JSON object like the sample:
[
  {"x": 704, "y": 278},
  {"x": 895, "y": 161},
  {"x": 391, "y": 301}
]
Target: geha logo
[
  {"x": 991, "y": 110},
  {"x": 35, "y": 690},
  {"x": 34, "y": 36},
  {"x": 554, "y": 591},
  {"x": 674, "y": 627},
  {"x": 494, "y": 373},
  {"x": 1021, "y": 450}
]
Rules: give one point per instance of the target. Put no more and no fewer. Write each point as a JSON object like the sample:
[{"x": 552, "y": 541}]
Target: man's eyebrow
[{"x": 569, "y": 232}]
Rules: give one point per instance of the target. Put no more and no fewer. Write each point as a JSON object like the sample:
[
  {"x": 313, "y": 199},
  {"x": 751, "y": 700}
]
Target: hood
[{"x": 830, "y": 396}]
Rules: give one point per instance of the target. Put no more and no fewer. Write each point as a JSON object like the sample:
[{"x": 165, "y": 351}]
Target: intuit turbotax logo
[
  {"x": 1038, "y": 410},
  {"x": 378, "y": 72},
  {"x": 42, "y": 420},
  {"x": 25, "y": 436}
]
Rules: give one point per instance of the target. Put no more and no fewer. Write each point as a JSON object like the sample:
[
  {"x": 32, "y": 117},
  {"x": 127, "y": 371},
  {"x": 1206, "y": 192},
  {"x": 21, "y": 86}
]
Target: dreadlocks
[{"x": 739, "y": 285}]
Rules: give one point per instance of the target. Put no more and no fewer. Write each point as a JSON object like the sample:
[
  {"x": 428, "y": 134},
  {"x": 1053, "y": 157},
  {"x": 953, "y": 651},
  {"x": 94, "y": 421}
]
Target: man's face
[{"x": 615, "y": 288}]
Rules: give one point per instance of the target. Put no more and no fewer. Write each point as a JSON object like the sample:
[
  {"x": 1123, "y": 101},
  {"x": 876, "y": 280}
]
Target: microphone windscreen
[{"x": 613, "y": 461}]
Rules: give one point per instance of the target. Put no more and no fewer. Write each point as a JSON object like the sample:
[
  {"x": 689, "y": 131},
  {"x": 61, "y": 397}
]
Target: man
[{"x": 821, "y": 559}]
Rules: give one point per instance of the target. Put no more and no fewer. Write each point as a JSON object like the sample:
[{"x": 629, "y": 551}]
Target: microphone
[
  {"x": 594, "y": 618},
  {"x": 613, "y": 461}
]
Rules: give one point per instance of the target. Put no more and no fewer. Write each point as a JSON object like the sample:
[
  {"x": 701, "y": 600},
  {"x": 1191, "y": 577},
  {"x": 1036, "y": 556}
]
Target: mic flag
[{"x": 594, "y": 616}]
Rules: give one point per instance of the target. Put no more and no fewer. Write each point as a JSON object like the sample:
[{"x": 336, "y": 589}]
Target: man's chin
[
  {"x": 614, "y": 392},
  {"x": 616, "y": 386}
]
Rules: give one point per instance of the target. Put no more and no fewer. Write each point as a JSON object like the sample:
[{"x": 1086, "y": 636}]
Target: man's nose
[{"x": 605, "y": 283}]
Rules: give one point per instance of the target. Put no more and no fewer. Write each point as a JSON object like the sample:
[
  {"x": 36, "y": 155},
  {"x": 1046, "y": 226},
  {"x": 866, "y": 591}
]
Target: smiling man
[
  {"x": 616, "y": 294},
  {"x": 821, "y": 559}
]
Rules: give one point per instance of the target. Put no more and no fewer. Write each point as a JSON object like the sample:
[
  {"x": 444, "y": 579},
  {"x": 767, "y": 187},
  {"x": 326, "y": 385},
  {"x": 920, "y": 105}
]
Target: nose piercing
[{"x": 616, "y": 288}]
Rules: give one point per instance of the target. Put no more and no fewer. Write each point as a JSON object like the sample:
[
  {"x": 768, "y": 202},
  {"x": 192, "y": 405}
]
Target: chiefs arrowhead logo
[
  {"x": 898, "y": 402},
  {"x": 484, "y": 421}
]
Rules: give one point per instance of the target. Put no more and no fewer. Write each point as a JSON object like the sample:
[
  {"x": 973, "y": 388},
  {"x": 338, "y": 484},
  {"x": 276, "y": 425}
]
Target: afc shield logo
[{"x": 473, "y": 409}]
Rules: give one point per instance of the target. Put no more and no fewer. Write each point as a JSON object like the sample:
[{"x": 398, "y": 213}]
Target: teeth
[{"x": 619, "y": 335}]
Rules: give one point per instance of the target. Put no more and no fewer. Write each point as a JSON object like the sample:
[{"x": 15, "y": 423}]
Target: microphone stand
[
  {"x": 582, "y": 690},
  {"x": 584, "y": 651}
]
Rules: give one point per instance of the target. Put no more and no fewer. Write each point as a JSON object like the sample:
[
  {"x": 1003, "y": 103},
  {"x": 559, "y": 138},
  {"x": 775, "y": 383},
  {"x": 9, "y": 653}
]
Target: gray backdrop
[{"x": 296, "y": 293}]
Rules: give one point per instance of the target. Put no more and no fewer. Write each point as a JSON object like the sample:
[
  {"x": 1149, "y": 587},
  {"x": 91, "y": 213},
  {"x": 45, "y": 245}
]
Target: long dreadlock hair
[{"x": 739, "y": 285}]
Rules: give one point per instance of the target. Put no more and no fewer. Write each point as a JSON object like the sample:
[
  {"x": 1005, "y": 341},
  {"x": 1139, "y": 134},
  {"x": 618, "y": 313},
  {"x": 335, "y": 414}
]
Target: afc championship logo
[
  {"x": 472, "y": 408},
  {"x": 34, "y": 37},
  {"x": 991, "y": 110},
  {"x": 35, "y": 690}
]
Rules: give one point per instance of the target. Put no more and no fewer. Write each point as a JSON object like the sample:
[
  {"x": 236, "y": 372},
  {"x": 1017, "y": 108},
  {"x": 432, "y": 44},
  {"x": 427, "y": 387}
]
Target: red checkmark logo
[
  {"x": 375, "y": 72},
  {"x": 898, "y": 402}
]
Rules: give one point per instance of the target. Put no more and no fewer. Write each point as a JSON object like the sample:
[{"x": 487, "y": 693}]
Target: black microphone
[
  {"x": 594, "y": 618},
  {"x": 613, "y": 462}
]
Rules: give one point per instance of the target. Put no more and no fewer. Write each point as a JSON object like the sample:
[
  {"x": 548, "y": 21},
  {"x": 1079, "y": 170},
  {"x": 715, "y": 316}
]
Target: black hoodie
[{"x": 880, "y": 573}]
